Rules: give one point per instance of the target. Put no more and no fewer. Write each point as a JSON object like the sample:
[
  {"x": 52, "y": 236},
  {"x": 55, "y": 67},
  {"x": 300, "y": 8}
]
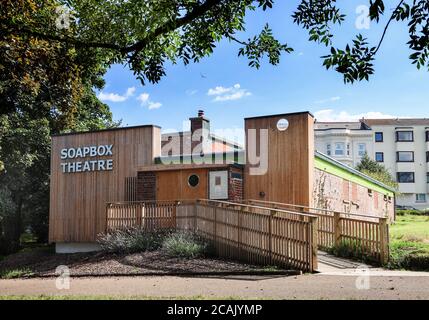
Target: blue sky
[{"x": 228, "y": 90}]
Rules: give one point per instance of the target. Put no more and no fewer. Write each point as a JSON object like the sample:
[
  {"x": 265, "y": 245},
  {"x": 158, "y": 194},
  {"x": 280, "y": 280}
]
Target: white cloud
[
  {"x": 144, "y": 99},
  {"x": 330, "y": 115},
  {"x": 115, "y": 97},
  {"x": 228, "y": 93},
  {"x": 154, "y": 105},
  {"x": 331, "y": 99},
  {"x": 130, "y": 91}
]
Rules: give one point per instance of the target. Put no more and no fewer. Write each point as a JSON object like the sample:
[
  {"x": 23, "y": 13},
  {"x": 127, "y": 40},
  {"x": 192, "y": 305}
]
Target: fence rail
[
  {"x": 365, "y": 234},
  {"x": 247, "y": 233}
]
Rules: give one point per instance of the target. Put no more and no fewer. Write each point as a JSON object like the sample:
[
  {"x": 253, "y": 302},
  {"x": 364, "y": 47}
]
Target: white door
[{"x": 218, "y": 185}]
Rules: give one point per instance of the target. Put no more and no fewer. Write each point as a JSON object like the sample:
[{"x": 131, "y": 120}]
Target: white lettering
[
  {"x": 86, "y": 151},
  {"x": 87, "y": 166},
  {"x": 71, "y": 153},
  {"x": 101, "y": 150},
  {"x": 79, "y": 153},
  {"x": 63, "y": 153},
  {"x": 109, "y": 164},
  {"x": 109, "y": 150},
  {"x": 93, "y": 151}
]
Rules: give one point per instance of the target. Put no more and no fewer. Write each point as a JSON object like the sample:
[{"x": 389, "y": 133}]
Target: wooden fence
[
  {"x": 366, "y": 234},
  {"x": 247, "y": 233}
]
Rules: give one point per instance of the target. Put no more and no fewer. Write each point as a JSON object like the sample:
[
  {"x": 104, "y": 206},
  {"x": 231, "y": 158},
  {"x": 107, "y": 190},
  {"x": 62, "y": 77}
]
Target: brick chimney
[{"x": 200, "y": 130}]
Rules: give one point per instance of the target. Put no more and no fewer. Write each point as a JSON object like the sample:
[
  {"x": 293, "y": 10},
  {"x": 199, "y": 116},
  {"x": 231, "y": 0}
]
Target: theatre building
[{"x": 277, "y": 164}]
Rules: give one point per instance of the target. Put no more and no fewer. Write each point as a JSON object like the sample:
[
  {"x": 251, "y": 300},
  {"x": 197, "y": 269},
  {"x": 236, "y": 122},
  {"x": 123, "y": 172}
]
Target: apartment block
[
  {"x": 346, "y": 142},
  {"x": 401, "y": 145}
]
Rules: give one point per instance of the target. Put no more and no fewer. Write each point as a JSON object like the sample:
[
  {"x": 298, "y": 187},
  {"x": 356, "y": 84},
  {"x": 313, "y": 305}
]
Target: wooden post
[
  {"x": 239, "y": 232},
  {"x": 270, "y": 231},
  {"x": 139, "y": 214},
  {"x": 384, "y": 240},
  {"x": 215, "y": 224},
  {"x": 195, "y": 215},
  {"x": 314, "y": 244},
  {"x": 174, "y": 214},
  {"x": 337, "y": 229},
  {"x": 107, "y": 217}
]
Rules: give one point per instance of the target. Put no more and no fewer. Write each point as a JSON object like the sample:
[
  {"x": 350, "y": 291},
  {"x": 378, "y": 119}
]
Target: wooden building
[{"x": 90, "y": 169}]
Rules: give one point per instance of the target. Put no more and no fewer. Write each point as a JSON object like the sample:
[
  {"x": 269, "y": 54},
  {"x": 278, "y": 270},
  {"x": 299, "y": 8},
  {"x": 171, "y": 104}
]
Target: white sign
[{"x": 88, "y": 165}]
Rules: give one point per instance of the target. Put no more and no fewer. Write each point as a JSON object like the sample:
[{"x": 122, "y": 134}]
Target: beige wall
[{"x": 335, "y": 193}]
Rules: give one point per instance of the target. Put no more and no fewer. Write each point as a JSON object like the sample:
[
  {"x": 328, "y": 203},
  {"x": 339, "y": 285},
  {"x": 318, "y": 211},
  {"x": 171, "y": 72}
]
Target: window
[
  {"x": 405, "y": 177},
  {"x": 427, "y": 136},
  {"x": 361, "y": 149},
  {"x": 421, "y": 197},
  {"x": 348, "y": 149},
  {"x": 379, "y": 156},
  {"x": 193, "y": 180},
  {"x": 379, "y": 137},
  {"x": 427, "y": 177},
  {"x": 427, "y": 156},
  {"x": 404, "y": 136},
  {"x": 405, "y": 156},
  {"x": 339, "y": 149},
  {"x": 328, "y": 149}
]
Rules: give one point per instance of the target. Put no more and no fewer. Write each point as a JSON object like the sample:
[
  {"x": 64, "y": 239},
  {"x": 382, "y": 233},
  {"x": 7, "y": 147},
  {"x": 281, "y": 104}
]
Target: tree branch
[
  {"x": 136, "y": 47},
  {"x": 387, "y": 25}
]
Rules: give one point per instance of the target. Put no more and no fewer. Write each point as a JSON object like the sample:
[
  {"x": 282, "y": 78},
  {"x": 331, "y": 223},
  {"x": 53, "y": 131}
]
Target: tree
[
  {"x": 146, "y": 33},
  {"x": 377, "y": 171},
  {"x": 45, "y": 88}
]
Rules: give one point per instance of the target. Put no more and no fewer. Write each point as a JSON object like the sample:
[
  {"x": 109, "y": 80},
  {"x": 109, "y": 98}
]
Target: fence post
[
  {"x": 195, "y": 214},
  {"x": 314, "y": 244},
  {"x": 173, "y": 223},
  {"x": 384, "y": 240},
  {"x": 337, "y": 229},
  {"x": 215, "y": 224},
  {"x": 239, "y": 232},
  {"x": 139, "y": 214},
  {"x": 107, "y": 217},
  {"x": 270, "y": 231}
]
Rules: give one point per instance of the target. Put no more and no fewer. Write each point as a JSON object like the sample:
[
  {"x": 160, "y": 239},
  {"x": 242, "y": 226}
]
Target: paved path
[{"x": 318, "y": 286}]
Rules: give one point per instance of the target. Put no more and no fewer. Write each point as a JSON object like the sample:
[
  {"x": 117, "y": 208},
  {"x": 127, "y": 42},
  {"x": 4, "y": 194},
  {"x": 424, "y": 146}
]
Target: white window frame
[
  {"x": 424, "y": 200},
  {"x": 342, "y": 149},
  {"x": 360, "y": 150}
]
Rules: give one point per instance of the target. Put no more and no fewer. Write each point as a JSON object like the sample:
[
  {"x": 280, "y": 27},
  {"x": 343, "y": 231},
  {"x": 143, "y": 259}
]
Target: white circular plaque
[{"x": 282, "y": 125}]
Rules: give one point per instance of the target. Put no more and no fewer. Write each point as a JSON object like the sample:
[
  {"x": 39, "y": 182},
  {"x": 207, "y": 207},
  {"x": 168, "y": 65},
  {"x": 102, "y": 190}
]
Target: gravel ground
[
  {"x": 43, "y": 262},
  {"x": 293, "y": 287}
]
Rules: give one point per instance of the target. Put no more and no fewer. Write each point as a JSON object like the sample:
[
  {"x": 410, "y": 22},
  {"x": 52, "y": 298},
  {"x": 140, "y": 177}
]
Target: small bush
[
  {"x": 131, "y": 240},
  {"x": 412, "y": 212},
  {"x": 408, "y": 255},
  {"x": 15, "y": 273},
  {"x": 186, "y": 245},
  {"x": 352, "y": 250}
]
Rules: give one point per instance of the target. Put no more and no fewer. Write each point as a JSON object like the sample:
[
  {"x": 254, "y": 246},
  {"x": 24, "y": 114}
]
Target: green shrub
[
  {"x": 351, "y": 249},
  {"x": 15, "y": 273},
  {"x": 412, "y": 212},
  {"x": 186, "y": 245},
  {"x": 409, "y": 255},
  {"x": 131, "y": 240}
]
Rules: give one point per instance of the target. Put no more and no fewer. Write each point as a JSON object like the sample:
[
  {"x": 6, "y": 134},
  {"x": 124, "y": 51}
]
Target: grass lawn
[{"x": 409, "y": 243}]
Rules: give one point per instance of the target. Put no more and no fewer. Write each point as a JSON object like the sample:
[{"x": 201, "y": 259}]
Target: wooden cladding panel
[
  {"x": 289, "y": 177},
  {"x": 173, "y": 185},
  {"x": 78, "y": 200}
]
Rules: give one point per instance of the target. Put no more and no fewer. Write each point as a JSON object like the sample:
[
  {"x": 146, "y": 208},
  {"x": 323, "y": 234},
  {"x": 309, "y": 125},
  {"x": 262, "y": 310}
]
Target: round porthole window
[
  {"x": 193, "y": 180},
  {"x": 282, "y": 125}
]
